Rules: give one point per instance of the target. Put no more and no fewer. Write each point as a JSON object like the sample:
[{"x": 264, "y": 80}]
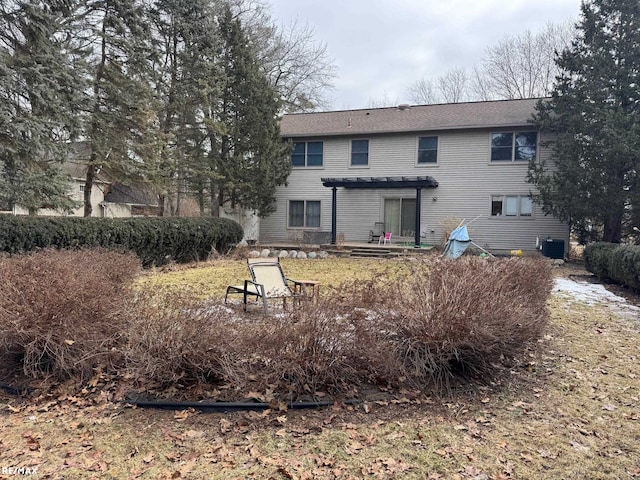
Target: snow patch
[{"x": 592, "y": 294}]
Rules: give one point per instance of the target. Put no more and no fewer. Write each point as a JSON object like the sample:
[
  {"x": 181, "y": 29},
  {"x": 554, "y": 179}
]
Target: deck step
[
  {"x": 370, "y": 252},
  {"x": 339, "y": 253}
]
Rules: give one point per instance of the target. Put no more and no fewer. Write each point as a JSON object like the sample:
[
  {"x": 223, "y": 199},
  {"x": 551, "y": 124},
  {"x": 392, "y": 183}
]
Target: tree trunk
[
  {"x": 613, "y": 228},
  {"x": 88, "y": 186},
  {"x": 161, "y": 201},
  {"x": 95, "y": 129}
]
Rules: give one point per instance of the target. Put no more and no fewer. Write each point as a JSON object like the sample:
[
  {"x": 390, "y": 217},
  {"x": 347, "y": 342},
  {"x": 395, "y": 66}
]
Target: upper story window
[
  {"x": 513, "y": 146},
  {"x": 427, "y": 150},
  {"x": 511, "y": 206},
  {"x": 359, "y": 152},
  {"x": 307, "y": 154}
]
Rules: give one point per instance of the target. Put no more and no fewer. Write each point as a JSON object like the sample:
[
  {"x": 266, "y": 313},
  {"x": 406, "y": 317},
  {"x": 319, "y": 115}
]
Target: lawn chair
[
  {"x": 385, "y": 238},
  {"x": 268, "y": 281}
]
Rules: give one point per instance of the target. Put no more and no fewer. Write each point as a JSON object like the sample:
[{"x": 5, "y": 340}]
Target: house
[
  {"x": 414, "y": 171},
  {"x": 122, "y": 200},
  {"x": 108, "y": 198}
]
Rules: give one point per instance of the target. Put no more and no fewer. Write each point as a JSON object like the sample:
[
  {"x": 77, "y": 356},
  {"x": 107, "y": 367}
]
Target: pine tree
[
  {"x": 39, "y": 99},
  {"x": 121, "y": 114},
  {"x": 186, "y": 79},
  {"x": 248, "y": 156},
  {"x": 593, "y": 117}
]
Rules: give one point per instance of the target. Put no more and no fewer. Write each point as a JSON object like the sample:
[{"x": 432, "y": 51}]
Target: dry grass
[
  {"x": 572, "y": 413},
  {"x": 207, "y": 280}
]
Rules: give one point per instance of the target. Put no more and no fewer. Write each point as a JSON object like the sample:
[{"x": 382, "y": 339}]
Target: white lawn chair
[{"x": 267, "y": 281}]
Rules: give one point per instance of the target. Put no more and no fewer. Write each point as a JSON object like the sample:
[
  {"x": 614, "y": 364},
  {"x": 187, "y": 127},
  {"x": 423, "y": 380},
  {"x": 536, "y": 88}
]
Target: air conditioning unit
[{"x": 553, "y": 248}]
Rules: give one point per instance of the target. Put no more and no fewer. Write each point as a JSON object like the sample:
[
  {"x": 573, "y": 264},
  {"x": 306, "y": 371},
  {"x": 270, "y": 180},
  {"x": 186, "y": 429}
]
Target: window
[
  {"x": 304, "y": 213},
  {"x": 509, "y": 147},
  {"x": 359, "y": 152},
  {"x": 307, "y": 154},
  {"x": 82, "y": 188},
  {"x": 511, "y": 206},
  {"x": 427, "y": 150}
]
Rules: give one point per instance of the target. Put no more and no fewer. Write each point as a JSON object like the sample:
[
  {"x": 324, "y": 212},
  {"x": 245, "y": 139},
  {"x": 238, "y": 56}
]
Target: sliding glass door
[{"x": 400, "y": 216}]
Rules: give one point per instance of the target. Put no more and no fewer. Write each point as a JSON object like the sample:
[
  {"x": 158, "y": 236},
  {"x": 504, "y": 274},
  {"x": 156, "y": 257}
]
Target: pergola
[{"x": 377, "y": 182}]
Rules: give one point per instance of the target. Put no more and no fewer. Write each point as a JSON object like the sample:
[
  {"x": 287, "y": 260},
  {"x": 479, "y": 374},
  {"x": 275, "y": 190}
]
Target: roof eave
[{"x": 412, "y": 130}]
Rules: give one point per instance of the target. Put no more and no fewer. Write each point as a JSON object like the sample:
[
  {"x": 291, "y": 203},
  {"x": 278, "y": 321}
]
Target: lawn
[{"x": 571, "y": 412}]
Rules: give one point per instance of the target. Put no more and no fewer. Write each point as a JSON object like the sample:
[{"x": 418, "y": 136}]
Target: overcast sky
[{"x": 381, "y": 46}]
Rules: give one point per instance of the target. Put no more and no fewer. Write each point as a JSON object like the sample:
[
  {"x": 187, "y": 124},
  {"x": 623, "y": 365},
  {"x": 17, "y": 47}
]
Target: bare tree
[
  {"x": 479, "y": 86},
  {"x": 384, "y": 101},
  {"x": 422, "y": 91},
  {"x": 522, "y": 66},
  {"x": 299, "y": 68},
  {"x": 452, "y": 85},
  {"x": 518, "y": 66}
]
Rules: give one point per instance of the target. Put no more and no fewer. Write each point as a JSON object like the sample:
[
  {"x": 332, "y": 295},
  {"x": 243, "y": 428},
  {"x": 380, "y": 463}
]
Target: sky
[{"x": 380, "y": 47}]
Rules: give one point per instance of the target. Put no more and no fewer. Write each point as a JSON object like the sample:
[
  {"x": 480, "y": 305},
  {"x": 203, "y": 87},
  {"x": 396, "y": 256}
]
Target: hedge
[
  {"x": 155, "y": 241},
  {"x": 614, "y": 262}
]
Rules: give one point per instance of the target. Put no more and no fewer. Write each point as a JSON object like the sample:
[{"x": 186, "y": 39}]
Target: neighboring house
[
  {"x": 414, "y": 171},
  {"x": 108, "y": 199},
  {"x": 125, "y": 201},
  {"x": 76, "y": 172}
]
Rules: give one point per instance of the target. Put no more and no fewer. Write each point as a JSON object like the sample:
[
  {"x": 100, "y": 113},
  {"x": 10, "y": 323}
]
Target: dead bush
[
  {"x": 460, "y": 318},
  {"x": 304, "y": 350},
  {"x": 173, "y": 340},
  {"x": 66, "y": 313},
  {"x": 61, "y": 311},
  {"x": 446, "y": 320},
  {"x": 294, "y": 354}
]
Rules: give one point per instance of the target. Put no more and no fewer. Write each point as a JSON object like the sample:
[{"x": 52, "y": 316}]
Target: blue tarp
[{"x": 458, "y": 242}]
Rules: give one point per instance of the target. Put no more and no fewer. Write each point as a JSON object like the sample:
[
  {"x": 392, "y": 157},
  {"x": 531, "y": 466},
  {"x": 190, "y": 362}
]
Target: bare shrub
[
  {"x": 66, "y": 313},
  {"x": 172, "y": 340},
  {"x": 61, "y": 311},
  {"x": 445, "y": 320},
  {"x": 460, "y": 318},
  {"x": 304, "y": 350},
  {"x": 448, "y": 225}
]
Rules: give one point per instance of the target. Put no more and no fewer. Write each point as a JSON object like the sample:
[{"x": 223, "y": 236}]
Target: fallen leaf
[
  {"x": 181, "y": 415},
  {"x": 579, "y": 447},
  {"x": 225, "y": 425}
]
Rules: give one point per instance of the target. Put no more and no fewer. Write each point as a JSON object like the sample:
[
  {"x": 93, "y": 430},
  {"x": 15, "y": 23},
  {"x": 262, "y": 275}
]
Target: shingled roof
[
  {"x": 405, "y": 118},
  {"x": 119, "y": 193}
]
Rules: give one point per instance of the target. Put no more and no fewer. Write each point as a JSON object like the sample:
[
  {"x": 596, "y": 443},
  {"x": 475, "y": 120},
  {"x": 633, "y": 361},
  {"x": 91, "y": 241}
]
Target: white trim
[
  {"x": 368, "y": 164},
  {"x": 417, "y": 152},
  {"x": 518, "y": 215}
]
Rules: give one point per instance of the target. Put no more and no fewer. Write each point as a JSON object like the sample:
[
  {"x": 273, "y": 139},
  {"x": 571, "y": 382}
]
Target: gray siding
[{"x": 466, "y": 177}]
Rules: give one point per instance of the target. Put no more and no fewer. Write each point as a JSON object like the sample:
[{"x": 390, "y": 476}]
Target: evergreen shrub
[
  {"x": 155, "y": 241},
  {"x": 614, "y": 262},
  {"x": 596, "y": 258}
]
